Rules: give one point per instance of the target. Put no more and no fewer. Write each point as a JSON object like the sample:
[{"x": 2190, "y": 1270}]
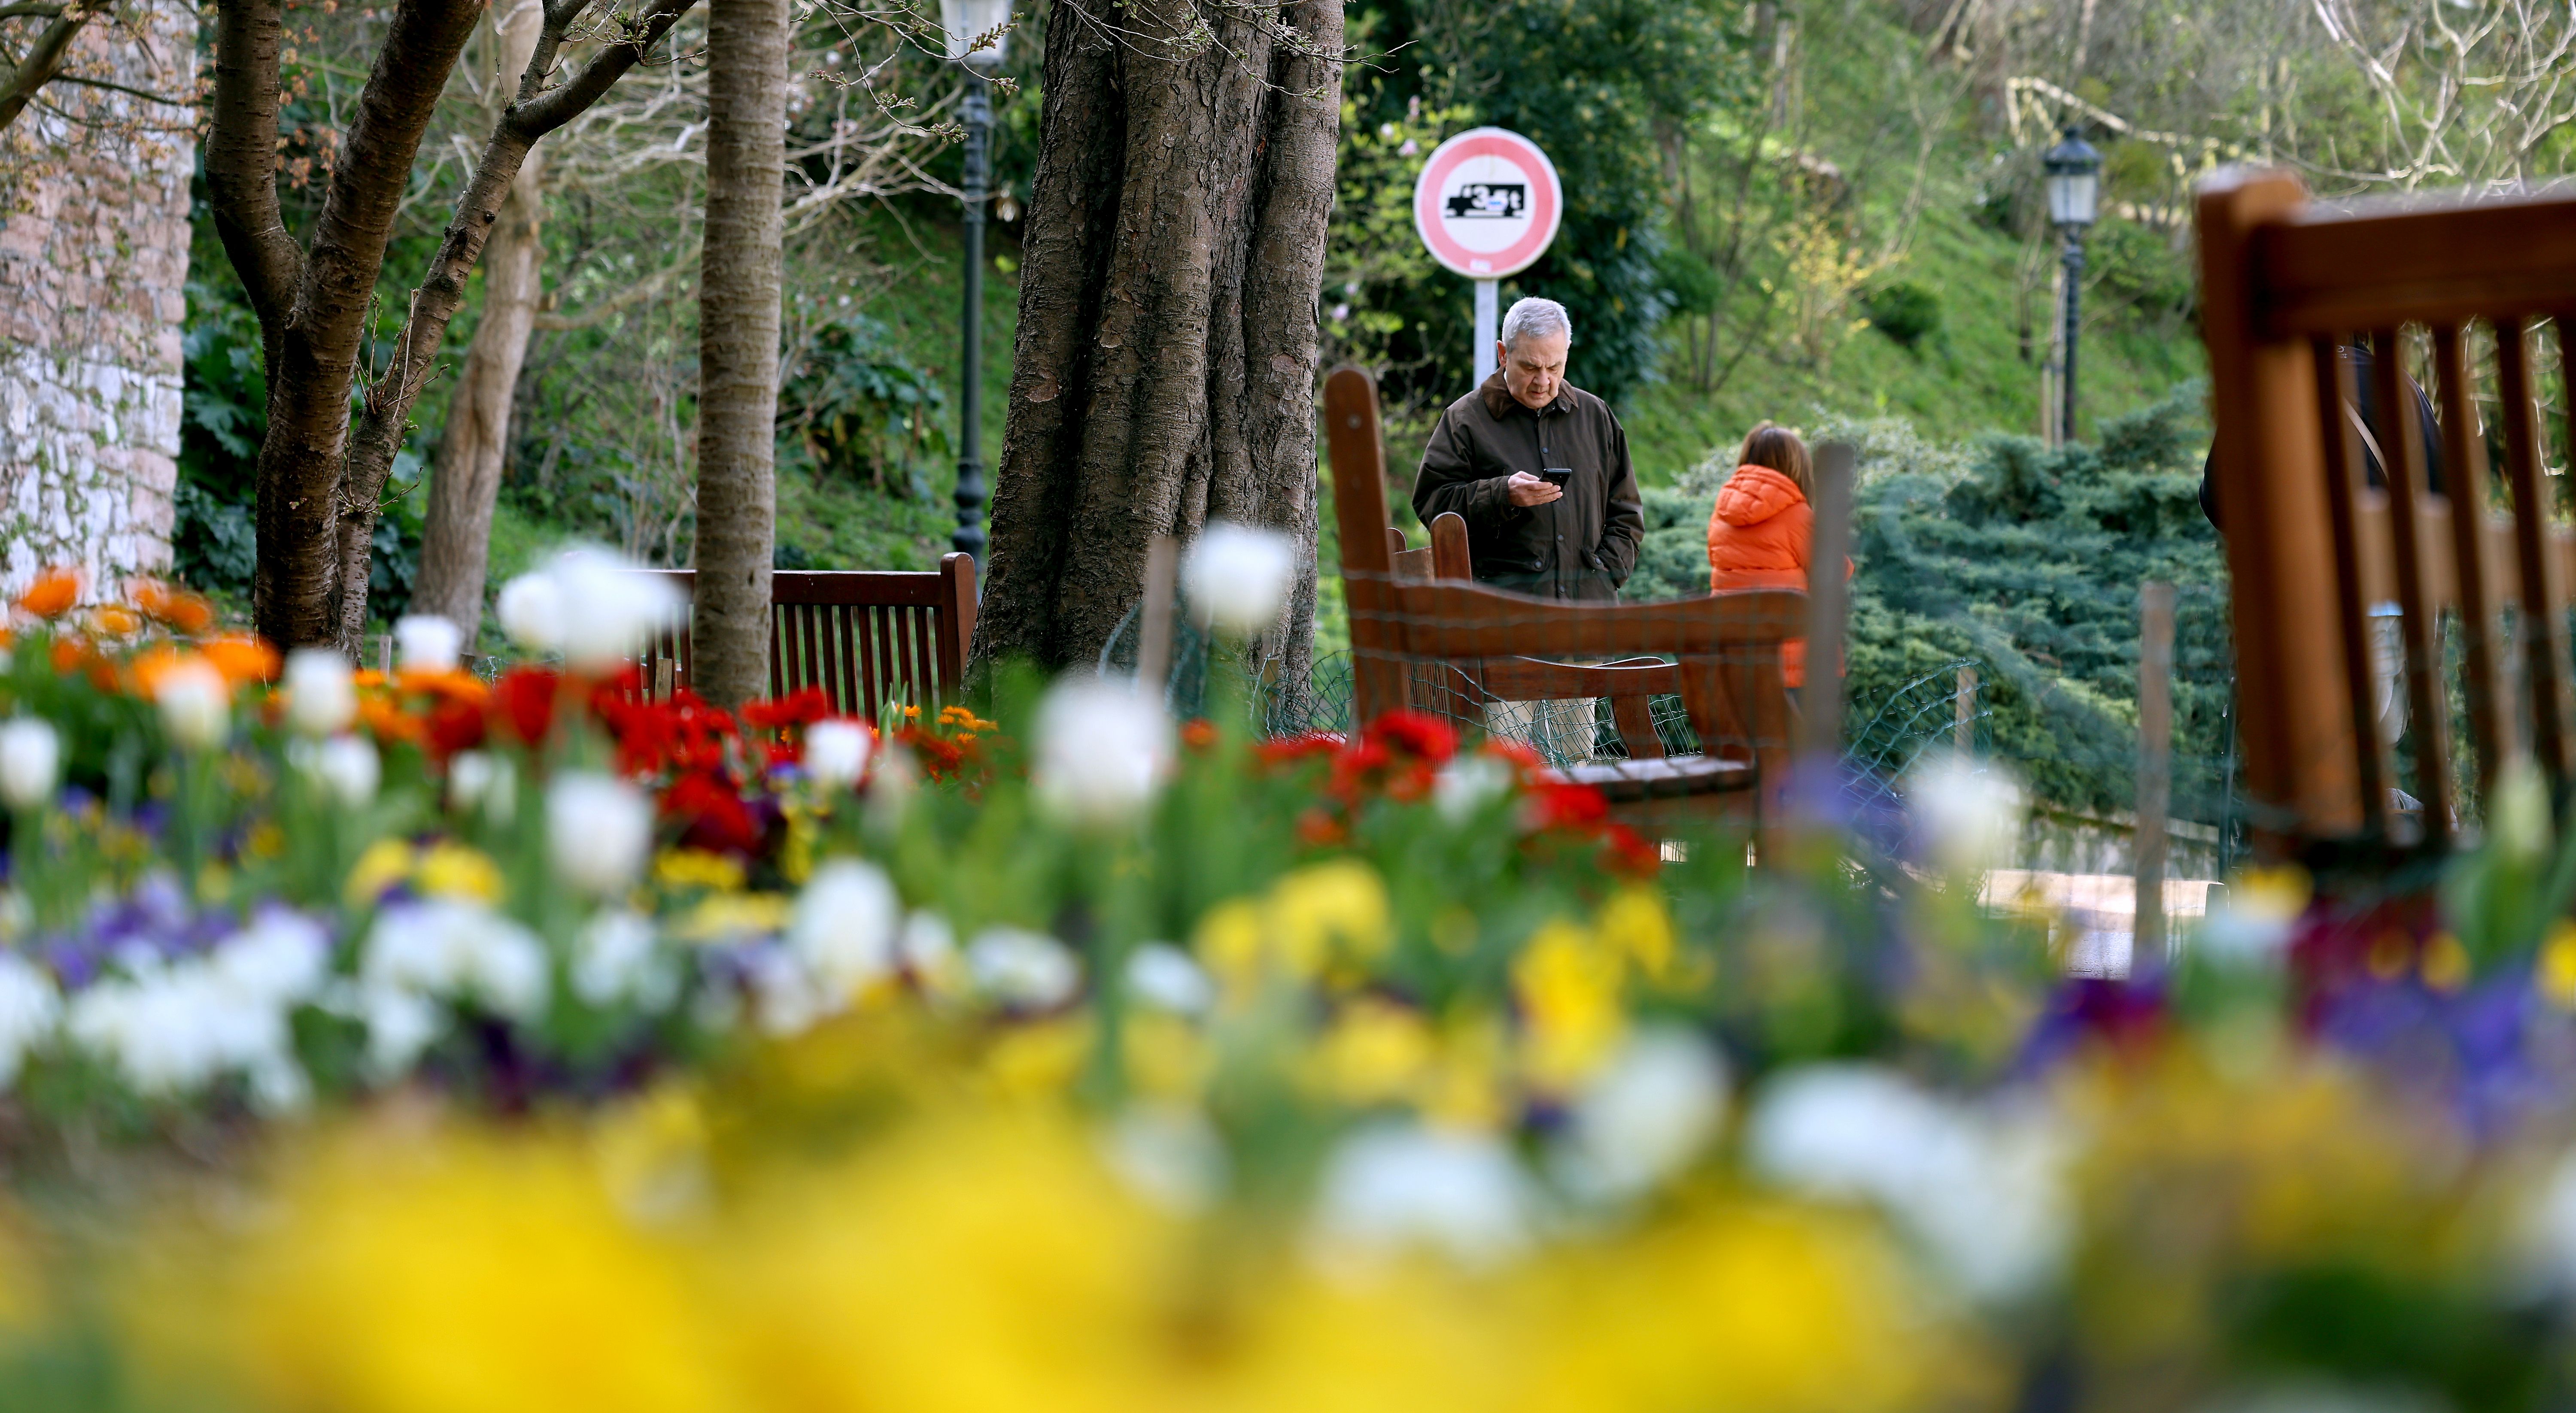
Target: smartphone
[{"x": 1557, "y": 476}]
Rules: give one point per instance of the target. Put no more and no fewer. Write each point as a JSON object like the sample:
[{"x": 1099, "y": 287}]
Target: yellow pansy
[
  {"x": 698, "y": 868},
  {"x": 2446, "y": 963},
  {"x": 725, "y": 917},
  {"x": 2556, "y": 970},
  {"x": 1635, "y": 925},
  {"x": 385, "y": 863},
  {"x": 1336, "y": 905},
  {"x": 1568, "y": 985},
  {"x": 453, "y": 870},
  {"x": 1375, "y": 1051}
]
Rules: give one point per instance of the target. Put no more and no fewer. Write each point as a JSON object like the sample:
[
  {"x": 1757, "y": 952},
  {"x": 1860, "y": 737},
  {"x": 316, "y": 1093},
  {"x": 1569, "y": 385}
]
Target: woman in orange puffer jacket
[{"x": 1759, "y": 534}]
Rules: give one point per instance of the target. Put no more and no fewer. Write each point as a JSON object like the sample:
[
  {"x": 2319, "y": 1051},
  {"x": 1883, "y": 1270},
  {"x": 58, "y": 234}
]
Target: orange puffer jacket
[{"x": 1757, "y": 539}]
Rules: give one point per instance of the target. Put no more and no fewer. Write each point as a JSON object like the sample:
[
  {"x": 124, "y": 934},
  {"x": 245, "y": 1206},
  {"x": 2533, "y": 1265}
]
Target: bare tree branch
[{"x": 44, "y": 60}]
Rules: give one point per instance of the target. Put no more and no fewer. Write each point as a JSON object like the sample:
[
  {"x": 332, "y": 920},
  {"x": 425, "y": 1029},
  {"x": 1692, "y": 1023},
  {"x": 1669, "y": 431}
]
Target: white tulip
[
  {"x": 425, "y": 642},
  {"x": 607, "y": 607},
  {"x": 347, "y": 766},
  {"x": 321, "y": 692},
  {"x": 845, "y": 925},
  {"x": 196, "y": 705},
  {"x": 1022, "y": 969},
  {"x": 479, "y": 780},
  {"x": 1468, "y": 783},
  {"x": 1967, "y": 812},
  {"x": 836, "y": 753},
  {"x": 598, "y": 829},
  {"x": 2518, "y": 820},
  {"x": 31, "y": 762},
  {"x": 1237, "y": 577},
  {"x": 530, "y": 608},
  {"x": 1102, "y": 750}
]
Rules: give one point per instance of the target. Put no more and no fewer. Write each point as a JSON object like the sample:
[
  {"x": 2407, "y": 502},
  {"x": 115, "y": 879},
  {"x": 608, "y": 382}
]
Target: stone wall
[{"x": 93, "y": 264}]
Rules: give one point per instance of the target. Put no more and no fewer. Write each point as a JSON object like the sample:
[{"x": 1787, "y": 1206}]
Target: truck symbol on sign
[{"x": 1489, "y": 201}]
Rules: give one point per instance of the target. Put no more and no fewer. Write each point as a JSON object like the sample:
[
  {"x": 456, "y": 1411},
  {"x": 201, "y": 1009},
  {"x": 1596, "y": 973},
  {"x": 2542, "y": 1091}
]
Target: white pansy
[
  {"x": 1468, "y": 783},
  {"x": 1171, "y": 1156},
  {"x": 1393, "y": 1186},
  {"x": 616, "y": 958},
  {"x": 321, "y": 692},
  {"x": 786, "y": 996},
  {"x": 1102, "y": 749},
  {"x": 844, "y": 926},
  {"x": 1169, "y": 979},
  {"x": 31, "y": 762},
  {"x": 195, "y": 703},
  {"x": 607, "y": 606},
  {"x": 400, "y": 1025},
  {"x": 175, "y": 1028},
  {"x": 1982, "y": 1195},
  {"x": 598, "y": 829},
  {"x": 1022, "y": 969},
  {"x": 891, "y": 788},
  {"x": 1645, "y": 1116},
  {"x": 347, "y": 766},
  {"x": 1967, "y": 812},
  {"x": 30, "y": 1006},
  {"x": 836, "y": 753},
  {"x": 928, "y": 946},
  {"x": 530, "y": 608},
  {"x": 1237, "y": 577},
  {"x": 455, "y": 949},
  {"x": 426, "y": 642}
]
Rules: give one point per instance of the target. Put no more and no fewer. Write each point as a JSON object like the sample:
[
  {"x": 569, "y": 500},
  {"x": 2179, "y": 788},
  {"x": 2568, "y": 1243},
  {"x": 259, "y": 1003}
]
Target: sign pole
[{"x": 1488, "y": 318}]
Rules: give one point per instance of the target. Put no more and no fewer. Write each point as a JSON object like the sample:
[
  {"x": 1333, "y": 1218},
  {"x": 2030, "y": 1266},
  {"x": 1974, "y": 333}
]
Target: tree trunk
[
  {"x": 456, "y": 542},
  {"x": 1165, "y": 368},
  {"x": 738, "y": 323}
]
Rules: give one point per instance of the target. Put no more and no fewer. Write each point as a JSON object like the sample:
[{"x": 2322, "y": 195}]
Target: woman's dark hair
[{"x": 1775, "y": 446}]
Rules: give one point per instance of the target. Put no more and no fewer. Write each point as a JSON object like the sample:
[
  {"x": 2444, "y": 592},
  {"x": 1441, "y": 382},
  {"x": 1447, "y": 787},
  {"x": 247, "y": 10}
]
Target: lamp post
[
  {"x": 2074, "y": 189},
  {"x": 966, "y": 21}
]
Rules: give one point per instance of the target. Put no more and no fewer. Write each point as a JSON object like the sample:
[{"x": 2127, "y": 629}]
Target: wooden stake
[
  {"x": 1820, "y": 712},
  {"x": 1963, "y": 713},
  {"x": 1154, "y": 649},
  {"x": 2155, "y": 770}
]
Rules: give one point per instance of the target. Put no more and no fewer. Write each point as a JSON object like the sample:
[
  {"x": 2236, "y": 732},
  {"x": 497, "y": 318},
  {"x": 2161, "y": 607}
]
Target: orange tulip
[
  {"x": 53, "y": 593},
  {"x": 242, "y": 659},
  {"x": 157, "y": 662},
  {"x": 183, "y": 611},
  {"x": 113, "y": 621}
]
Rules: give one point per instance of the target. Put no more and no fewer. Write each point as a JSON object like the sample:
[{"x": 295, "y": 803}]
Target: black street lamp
[
  {"x": 966, "y": 22},
  {"x": 2074, "y": 190}
]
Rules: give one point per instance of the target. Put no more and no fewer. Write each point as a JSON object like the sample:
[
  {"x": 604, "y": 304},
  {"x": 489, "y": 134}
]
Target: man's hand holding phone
[{"x": 1527, "y": 490}]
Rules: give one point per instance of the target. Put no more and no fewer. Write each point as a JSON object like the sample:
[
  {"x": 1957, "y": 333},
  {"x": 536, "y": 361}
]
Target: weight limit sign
[{"x": 1486, "y": 205}]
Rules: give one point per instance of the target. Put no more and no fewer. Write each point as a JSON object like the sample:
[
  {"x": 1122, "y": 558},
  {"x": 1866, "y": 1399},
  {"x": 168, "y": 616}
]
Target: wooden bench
[
  {"x": 1462, "y": 644},
  {"x": 2313, "y": 550},
  {"x": 865, "y": 636}
]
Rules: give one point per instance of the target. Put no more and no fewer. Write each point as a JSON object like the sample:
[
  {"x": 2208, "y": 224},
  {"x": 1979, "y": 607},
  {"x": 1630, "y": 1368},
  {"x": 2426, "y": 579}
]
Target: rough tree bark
[
  {"x": 456, "y": 540},
  {"x": 318, "y": 484},
  {"x": 738, "y": 322},
  {"x": 1165, "y": 367}
]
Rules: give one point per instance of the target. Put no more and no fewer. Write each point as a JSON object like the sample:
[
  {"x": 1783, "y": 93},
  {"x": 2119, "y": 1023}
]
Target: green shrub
[{"x": 1904, "y": 311}]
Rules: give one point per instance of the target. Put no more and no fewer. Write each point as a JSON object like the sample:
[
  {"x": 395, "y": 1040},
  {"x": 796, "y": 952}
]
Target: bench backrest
[
  {"x": 865, "y": 636},
  {"x": 2313, "y": 549},
  {"x": 1725, "y": 648}
]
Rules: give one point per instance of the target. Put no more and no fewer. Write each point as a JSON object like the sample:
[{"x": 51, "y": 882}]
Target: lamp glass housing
[
  {"x": 2074, "y": 181},
  {"x": 966, "y": 20}
]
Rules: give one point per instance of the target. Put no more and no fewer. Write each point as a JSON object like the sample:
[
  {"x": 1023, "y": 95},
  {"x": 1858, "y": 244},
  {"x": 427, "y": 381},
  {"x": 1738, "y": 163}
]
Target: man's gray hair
[{"x": 1536, "y": 318}]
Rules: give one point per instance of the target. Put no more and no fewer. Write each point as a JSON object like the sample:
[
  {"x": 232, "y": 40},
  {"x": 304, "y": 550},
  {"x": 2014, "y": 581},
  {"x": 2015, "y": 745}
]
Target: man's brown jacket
[{"x": 1582, "y": 546}]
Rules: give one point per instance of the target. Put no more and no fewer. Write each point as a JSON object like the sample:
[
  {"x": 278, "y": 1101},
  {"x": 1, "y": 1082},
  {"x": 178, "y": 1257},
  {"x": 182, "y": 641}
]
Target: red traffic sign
[{"x": 1487, "y": 203}]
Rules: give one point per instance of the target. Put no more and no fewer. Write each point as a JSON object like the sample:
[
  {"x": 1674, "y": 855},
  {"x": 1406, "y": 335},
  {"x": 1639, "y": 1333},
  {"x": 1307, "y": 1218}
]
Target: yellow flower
[
  {"x": 1374, "y": 1052},
  {"x": 1568, "y": 985},
  {"x": 1635, "y": 925},
  {"x": 1339, "y": 905},
  {"x": 2556, "y": 972},
  {"x": 1040, "y": 1059},
  {"x": 1166, "y": 1056},
  {"x": 1229, "y": 943},
  {"x": 385, "y": 863},
  {"x": 453, "y": 870},
  {"x": 265, "y": 840},
  {"x": 698, "y": 868},
  {"x": 724, "y": 917},
  {"x": 2446, "y": 963}
]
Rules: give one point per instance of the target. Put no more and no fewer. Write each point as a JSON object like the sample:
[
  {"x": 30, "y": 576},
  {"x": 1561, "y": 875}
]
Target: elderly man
[{"x": 1538, "y": 468}]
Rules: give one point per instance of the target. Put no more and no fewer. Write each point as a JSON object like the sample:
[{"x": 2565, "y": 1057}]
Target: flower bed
[{"x": 432, "y": 1043}]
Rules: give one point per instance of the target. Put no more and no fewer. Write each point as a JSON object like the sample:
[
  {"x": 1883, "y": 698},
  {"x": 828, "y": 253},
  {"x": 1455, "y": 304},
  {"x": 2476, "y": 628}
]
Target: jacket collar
[{"x": 1499, "y": 401}]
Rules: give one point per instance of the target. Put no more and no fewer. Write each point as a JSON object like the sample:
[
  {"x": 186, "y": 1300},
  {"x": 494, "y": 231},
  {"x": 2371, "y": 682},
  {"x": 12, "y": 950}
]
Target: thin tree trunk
[
  {"x": 44, "y": 58},
  {"x": 456, "y": 541},
  {"x": 1164, "y": 373},
  {"x": 738, "y": 324},
  {"x": 538, "y": 110}
]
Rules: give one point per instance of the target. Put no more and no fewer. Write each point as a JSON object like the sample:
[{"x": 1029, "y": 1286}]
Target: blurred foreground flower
[
  {"x": 30, "y": 762},
  {"x": 598, "y": 830},
  {"x": 426, "y": 642},
  {"x": 1102, "y": 749},
  {"x": 195, "y": 703},
  {"x": 1237, "y": 577},
  {"x": 595, "y": 607},
  {"x": 1967, "y": 812},
  {"x": 321, "y": 692}
]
